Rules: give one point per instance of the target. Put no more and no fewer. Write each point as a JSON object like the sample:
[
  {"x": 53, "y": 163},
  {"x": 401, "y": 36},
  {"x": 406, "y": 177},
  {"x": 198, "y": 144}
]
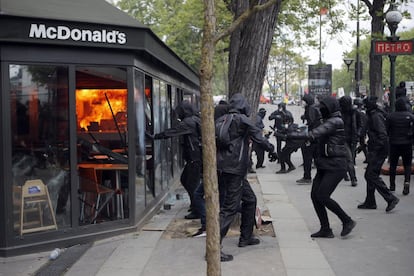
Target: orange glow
[{"x": 93, "y": 111}]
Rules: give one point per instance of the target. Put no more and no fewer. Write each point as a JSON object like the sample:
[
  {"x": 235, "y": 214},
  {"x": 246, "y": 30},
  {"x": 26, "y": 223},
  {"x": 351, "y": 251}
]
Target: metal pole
[
  {"x": 392, "y": 81},
  {"x": 320, "y": 37},
  {"x": 357, "y": 63}
]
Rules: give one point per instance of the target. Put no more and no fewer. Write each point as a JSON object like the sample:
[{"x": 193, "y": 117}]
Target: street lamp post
[
  {"x": 393, "y": 18},
  {"x": 348, "y": 62}
]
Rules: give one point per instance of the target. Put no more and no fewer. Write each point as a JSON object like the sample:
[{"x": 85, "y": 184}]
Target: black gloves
[{"x": 273, "y": 156}]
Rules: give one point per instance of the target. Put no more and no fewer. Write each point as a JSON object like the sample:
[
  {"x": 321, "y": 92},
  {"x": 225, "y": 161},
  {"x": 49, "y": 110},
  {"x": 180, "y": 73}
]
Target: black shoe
[
  {"x": 200, "y": 233},
  {"x": 225, "y": 257},
  {"x": 304, "y": 181},
  {"x": 192, "y": 216},
  {"x": 347, "y": 228},
  {"x": 367, "y": 206},
  {"x": 392, "y": 204},
  {"x": 260, "y": 167},
  {"x": 406, "y": 189},
  {"x": 346, "y": 178},
  {"x": 323, "y": 233},
  {"x": 392, "y": 188},
  {"x": 282, "y": 171},
  {"x": 291, "y": 169},
  {"x": 251, "y": 241},
  {"x": 354, "y": 183},
  {"x": 252, "y": 171}
]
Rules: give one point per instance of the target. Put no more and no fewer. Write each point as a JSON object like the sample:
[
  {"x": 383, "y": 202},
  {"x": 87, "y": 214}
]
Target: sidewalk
[{"x": 381, "y": 244}]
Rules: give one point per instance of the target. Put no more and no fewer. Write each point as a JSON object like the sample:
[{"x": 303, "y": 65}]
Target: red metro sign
[{"x": 400, "y": 47}]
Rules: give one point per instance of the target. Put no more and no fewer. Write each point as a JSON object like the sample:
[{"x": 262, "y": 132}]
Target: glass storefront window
[
  {"x": 40, "y": 147},
  {"x": 102, "y": 145}
]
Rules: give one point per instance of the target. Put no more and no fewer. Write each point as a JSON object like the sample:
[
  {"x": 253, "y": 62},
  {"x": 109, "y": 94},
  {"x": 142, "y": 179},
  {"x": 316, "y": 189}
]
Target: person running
[
  {"x": 330, "y": 164},
  {"x": 377, "y": 152}
]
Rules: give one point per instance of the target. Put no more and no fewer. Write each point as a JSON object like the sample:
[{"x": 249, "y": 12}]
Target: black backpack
[{"x": 222, "y": 126}]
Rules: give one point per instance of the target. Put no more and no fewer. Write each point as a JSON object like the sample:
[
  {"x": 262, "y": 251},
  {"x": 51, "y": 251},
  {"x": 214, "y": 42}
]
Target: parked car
[{"x": 264, "y": 100}]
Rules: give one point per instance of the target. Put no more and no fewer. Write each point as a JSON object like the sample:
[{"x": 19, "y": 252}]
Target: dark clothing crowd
[{"x": 333, "y": 132}]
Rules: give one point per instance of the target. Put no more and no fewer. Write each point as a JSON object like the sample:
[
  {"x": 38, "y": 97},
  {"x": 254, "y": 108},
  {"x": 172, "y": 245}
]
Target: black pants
[
  {"x": 372, "y": 176},
  {"x": 308, "y": 154},
  {"x": 260, "y": 154},
  {"x": 279, "y": 141},
  {"x": 406, "y": 153},
  {"x": 237, "y": 191},
  {"x": 350, "y": 148},
  {"x": 286, "y": 153},
  {"x": 324, "y": 184},
  {"x": 190, "y": 179}
]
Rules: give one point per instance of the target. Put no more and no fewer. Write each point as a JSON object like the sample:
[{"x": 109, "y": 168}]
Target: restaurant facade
[{"x": 83, "y": 89}]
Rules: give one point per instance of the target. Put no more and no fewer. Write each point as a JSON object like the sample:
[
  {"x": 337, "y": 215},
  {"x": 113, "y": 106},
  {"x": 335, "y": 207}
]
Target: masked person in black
[
  {"x": 260, "y": 152},
  {"x": 189, "y": 128},
  {"x": 377, "y": 152},
  {"x": 330, "y": 163},
  {"x": 362, "y": 128},
  {"x": 351, "y": 134},
  {"x": 400, "y": 133},
  {"x": 283, "y": 118},
  {"x": 232, "y": 164},
  {"x": 313, "y": 119}
]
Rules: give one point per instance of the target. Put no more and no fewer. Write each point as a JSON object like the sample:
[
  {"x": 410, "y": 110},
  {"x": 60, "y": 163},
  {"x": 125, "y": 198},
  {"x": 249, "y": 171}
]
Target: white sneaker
[{"x": 200, "y": 233}]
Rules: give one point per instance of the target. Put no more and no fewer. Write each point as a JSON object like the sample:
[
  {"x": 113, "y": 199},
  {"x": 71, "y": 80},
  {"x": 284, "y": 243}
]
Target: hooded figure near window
[
  {"x": 189, "y": 128},
  {"x": 232, "y": 165}
]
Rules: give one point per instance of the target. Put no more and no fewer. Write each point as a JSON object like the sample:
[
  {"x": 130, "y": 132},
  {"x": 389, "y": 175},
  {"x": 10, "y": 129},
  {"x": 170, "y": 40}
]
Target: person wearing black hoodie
[
  {"x": 232, "y": 165},
  {"x": 313, "y": 119},
  {"x": 330, "y": 167},
  {"x": 260, "y": 153},
  {"x": 349, "y": 116},
  {"x": 400, "y": 133},
  {"x": 189, "y": 128},
  {"x": 377, "y": 152}
]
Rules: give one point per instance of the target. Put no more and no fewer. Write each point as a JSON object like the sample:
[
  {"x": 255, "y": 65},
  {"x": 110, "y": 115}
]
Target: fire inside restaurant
[{"x": 83, "y": 89}]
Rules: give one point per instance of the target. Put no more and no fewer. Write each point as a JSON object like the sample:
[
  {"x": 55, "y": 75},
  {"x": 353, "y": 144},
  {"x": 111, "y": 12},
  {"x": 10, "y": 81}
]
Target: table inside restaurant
[{"x": 117, "y": 168}]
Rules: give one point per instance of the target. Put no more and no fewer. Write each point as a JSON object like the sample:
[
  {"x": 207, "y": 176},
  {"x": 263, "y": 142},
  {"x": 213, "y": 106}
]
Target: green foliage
[{"x": 179, "y": 24}]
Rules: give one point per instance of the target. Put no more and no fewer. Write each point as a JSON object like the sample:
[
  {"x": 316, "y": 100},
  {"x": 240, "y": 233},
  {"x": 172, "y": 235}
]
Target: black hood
[
  {"x": 331, "y": 103},
  {"x": 401, "y": 105},
  {"x": 239, "y": 104},
  {"x": 346, "y": 104},
  {"x": 185, "y": 109},
  {"x": 308, "y": 99}
]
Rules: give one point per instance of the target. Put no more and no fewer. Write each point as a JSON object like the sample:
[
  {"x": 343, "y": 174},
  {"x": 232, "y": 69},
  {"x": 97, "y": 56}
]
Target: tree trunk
[
  {"x": 375, "y": 62},
  {"x": 249, "y": 51},
  {"x": 209, "y": 142}
]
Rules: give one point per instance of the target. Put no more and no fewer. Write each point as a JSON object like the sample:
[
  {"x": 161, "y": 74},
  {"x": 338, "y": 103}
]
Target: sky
[{"x": 333, "y": 51}]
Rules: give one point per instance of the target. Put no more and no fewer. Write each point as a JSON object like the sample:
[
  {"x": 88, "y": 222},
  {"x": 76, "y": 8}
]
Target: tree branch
[{"x": 243, "y": 17}]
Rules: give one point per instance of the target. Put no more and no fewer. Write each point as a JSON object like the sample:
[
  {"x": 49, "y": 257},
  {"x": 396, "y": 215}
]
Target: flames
[{"x": 93, "y": 110}]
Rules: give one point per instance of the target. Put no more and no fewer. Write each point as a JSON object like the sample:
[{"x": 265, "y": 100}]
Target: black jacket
[
  {"x": 331, "y": 153},
  {"x": 235, "y": 158},
  {"x": 377, "y": 131},
  {"x": 400, "y": 124},
  {"x": 312, "y": 114},
  {"x": 189, "y": 128},
  {"x": 349, "y": 116}
]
